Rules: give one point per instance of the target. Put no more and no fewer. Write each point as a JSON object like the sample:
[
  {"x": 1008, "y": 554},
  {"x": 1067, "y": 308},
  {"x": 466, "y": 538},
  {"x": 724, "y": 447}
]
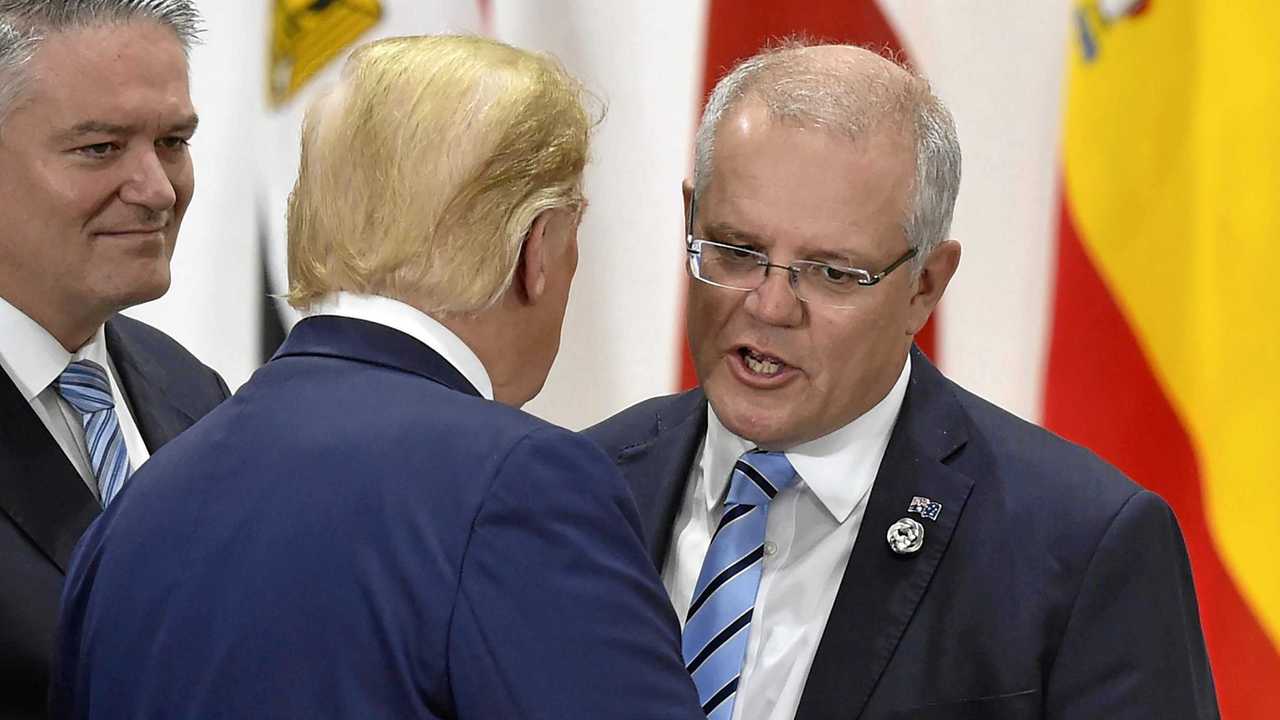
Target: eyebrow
[
  {"x": 843, "y": 258},
  {"x": 98, "y": 127},
  {"x": 729, "y": 232}
]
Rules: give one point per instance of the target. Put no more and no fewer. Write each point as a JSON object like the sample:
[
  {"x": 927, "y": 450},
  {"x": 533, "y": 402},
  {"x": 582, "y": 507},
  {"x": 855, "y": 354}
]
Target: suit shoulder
[
  {"x": 144, "y": 340},
  {"x": 1046, "y": 466},
  {"x": 643, "y": 421}
]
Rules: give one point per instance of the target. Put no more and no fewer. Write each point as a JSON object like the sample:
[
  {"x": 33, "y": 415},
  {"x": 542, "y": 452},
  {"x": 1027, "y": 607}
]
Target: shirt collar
[
  {"x": 839, "y": 467},
  {"x": 412, "y": 322},
  {"x": 33, "y": 358}
]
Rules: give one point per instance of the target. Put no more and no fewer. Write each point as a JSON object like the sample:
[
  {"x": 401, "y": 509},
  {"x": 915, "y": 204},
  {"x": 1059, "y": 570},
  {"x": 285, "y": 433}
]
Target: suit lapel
[
  {"x": 40, "y": 490},
  {"x": 880, "y": 591},
  {"x": 158, "y": 416},
  {"x": 658, "y": 468}
]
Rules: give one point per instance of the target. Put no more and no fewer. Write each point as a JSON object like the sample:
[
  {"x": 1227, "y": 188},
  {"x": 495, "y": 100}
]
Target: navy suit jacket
[
  {"x": 358, "y": 534},
  {"x": 45, "y": 506},
  {"x": 1050, "y": 586}
]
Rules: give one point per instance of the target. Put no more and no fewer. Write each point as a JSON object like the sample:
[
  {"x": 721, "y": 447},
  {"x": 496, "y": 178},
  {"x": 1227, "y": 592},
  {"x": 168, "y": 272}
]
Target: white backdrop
[{"x": 997, "y": 63}]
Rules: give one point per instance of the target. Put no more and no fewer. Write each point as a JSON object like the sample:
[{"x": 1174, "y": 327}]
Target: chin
[
  {"x": 750, "y": 420},
  {"x": 152, "y": 286}
]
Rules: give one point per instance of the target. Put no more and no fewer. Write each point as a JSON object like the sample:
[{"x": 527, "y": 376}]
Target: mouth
[
  {"x": 135, "y": 231},
  {"x": 761, "y": 369}
]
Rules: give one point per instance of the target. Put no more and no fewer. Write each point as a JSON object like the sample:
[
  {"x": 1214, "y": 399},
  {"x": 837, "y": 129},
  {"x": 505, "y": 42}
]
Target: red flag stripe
[{"x": 1101, "y": 392}]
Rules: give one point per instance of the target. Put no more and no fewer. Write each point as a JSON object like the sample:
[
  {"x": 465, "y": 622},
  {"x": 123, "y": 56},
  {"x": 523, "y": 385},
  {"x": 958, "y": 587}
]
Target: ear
[
  {"x": 938, "y": 269},
  {"x": 686, "y": 189},
  {"x": 531, "y": 273}
]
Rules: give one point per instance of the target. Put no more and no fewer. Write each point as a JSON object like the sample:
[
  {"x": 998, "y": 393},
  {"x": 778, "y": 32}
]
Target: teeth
[{"x": 764, "y": 366}]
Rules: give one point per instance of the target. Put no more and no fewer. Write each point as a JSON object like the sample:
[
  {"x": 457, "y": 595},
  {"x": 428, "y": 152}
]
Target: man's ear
[
  {"x": 938, "y": 269},
  {"x": 531, "y": 273},
  {"x": 686, "y": 188}
]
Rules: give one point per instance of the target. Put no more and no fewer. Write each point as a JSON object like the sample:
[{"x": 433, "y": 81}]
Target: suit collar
[
  {"x": 657, "y": 467},
  {"x": 155, "y": 400},
  {"x": 412, "y": 322},
  {"x": 372, "y": 343},
  {"x": 880, "y": 591}
]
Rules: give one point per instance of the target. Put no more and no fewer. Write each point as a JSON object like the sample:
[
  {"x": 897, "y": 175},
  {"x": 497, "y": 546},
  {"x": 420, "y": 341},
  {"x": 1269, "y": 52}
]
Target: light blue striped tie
[
  {"x": 719, "y": 621},
  {"x": 85, "y": 387}
]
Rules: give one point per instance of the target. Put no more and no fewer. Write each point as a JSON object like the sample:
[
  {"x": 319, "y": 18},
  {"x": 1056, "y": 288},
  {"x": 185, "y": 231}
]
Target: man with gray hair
[
  {"x": 95, "y": 117},
  {"x": 844, "y": 532}
]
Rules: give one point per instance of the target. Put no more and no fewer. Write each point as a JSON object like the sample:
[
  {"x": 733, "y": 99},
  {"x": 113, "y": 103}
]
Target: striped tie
[
  {"x": 85, "y": 387},
  {"x": 719, "y": 620}
]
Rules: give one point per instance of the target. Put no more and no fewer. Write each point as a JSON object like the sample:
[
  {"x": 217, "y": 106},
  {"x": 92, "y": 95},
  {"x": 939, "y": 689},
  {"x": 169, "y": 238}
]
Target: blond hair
[{"x": 423, "y": 171}]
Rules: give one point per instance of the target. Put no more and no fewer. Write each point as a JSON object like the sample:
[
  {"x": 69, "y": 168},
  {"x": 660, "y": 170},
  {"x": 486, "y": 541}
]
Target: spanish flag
[{"x": 1166, "y": 340}]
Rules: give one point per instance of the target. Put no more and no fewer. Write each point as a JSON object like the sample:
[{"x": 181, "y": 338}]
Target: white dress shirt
[
  {"x": 412, "y": 322},
  {"x": 33, "y": 359},
  {"x": 808, "y": 538}
]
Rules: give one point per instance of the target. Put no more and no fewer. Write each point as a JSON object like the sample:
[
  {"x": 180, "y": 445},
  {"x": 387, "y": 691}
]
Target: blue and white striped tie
[
  {"x": 85, "y": 387},
  {"x": 719, "y": 621}
]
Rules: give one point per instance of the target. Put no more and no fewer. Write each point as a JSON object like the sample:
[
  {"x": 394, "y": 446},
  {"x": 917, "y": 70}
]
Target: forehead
[
  {"x": 780, "y": 181},
  {"x": 133, "y": 71}
]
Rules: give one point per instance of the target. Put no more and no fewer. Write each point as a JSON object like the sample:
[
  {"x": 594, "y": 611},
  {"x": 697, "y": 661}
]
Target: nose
[
  {"x": 774, "y": 302},
  {"x": 148, "y": 184}
]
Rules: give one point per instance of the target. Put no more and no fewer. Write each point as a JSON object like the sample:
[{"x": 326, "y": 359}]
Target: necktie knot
[
  {"x": 85, "y": 387},
  {"x": 758, "y": 476}
]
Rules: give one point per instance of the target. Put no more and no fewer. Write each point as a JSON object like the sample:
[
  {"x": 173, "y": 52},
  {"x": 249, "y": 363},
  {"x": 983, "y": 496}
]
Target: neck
[
  {"x": 71, "y": 330},
  {"x": 493, "y": 336}
]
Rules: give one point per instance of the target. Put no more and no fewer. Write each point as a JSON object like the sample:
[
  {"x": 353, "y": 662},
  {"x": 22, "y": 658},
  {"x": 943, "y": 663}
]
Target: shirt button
[{"x": 770, "y": 548}]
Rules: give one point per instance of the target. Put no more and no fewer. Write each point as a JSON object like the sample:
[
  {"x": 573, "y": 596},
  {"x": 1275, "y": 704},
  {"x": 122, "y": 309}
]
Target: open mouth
[{"x": 759, "y": 364}]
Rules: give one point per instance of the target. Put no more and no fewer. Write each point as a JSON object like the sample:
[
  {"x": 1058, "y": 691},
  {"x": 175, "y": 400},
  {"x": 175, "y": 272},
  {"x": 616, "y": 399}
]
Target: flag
[
  {"x": 1164, "y": 348},
  {"x": 737, "y": 29}
]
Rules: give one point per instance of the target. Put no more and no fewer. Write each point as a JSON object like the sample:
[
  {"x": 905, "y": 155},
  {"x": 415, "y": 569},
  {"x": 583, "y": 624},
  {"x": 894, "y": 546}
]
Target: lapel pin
[
  {"x": 905, "y": 536},
  {"x": 925, "y": 507}
]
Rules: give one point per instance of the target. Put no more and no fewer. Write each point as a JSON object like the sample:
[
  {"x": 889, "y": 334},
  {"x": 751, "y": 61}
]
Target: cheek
[
  {"x": 700, "y": 317},
  {"x": 184, "y": 185},
  {"x": 839, "y": 350}
]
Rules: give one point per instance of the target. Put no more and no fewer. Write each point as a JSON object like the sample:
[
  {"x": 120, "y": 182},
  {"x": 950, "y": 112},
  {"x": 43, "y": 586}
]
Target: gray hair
[
  {"x": 853, "y": 100},
  {"x": 24, "y": 24}
]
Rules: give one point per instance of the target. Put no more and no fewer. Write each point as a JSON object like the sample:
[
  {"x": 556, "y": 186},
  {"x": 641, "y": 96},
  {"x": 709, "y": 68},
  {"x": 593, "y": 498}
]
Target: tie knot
[
  {"x": 85, "y": 387},
  {"x": 758, "y": 476}
]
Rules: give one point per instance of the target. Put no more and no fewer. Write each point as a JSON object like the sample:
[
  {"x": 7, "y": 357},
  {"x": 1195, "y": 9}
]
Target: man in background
[
  {"x": 95, "y": 117},
  {"x": 844, "y": 532},
  {"x": 370, "y": 528}
]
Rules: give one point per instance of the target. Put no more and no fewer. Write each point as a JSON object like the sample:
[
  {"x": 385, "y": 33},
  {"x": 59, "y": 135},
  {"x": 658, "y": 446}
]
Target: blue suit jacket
[
  {"x": 45, "y": 506},
  {"x": 1050, "y": 586},
  {"x": 357, "y": 534}
]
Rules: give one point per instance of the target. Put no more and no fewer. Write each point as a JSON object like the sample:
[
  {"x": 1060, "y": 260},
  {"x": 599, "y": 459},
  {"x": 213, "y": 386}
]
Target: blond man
[{"x": 370, "y": 528}]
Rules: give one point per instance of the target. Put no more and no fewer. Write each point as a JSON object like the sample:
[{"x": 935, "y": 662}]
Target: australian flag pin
[{"x": 925, "y": 507}]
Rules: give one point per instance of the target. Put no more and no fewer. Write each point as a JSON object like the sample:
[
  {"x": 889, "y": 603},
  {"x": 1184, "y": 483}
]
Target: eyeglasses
[{"x": 739, "y": 268}]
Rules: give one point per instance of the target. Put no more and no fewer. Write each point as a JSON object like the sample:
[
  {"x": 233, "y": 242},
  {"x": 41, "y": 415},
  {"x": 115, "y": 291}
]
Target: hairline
[
  {"x": 930, "y": 154},
  {"x": 34, "y": 27}
]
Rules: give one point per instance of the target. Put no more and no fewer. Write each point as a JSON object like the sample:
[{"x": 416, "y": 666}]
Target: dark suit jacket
[
  {"x": 357, "y": 534},
  {"x": 1050, "y": 586},
  {"x": 45, "y": 506}
]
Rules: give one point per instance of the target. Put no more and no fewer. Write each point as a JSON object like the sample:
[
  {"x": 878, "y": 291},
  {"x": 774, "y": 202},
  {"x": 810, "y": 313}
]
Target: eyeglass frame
[{"x": 863, "y": 277}]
